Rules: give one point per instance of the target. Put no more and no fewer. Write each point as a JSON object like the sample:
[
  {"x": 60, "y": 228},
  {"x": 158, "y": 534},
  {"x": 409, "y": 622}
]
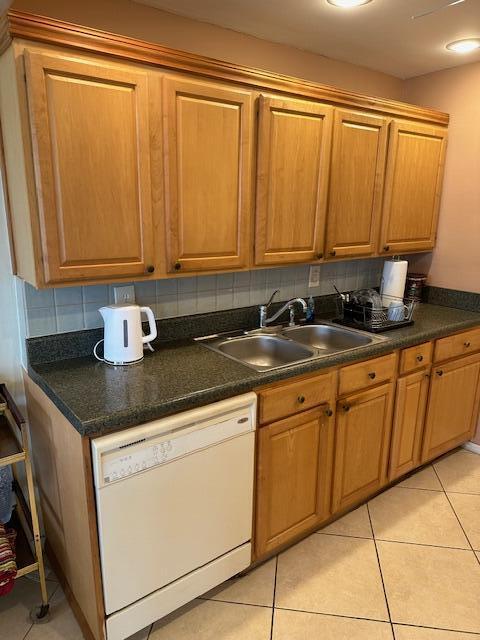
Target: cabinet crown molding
[{"x": 28, "y": 26}]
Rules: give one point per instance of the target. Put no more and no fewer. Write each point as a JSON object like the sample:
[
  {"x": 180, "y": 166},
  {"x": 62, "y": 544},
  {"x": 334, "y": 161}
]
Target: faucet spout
[{"x": 288, "y": 305}]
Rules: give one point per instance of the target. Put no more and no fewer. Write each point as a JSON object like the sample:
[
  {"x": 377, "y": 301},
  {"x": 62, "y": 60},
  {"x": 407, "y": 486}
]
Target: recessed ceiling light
[
  {"x": 464, "y": 46},
  {"x": 348, "y": 4}
]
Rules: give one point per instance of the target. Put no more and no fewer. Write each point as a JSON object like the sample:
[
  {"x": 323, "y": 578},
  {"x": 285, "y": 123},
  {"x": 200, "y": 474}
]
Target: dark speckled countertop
[{"x": 98, "y": 398}]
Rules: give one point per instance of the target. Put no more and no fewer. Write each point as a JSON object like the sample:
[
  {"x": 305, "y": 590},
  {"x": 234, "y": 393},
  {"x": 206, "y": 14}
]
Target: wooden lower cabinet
[
  {"x": 294, "y": 470},
  {"x": 362, "y": 445},
  {"x": 408, "y": 421},
  {"x": 453, "y": 405}
]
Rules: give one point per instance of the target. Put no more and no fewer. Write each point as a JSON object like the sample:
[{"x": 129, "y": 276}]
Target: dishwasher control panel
[
  {"x": 128, "y": 463},
  {"x": 142, "y": 451}
]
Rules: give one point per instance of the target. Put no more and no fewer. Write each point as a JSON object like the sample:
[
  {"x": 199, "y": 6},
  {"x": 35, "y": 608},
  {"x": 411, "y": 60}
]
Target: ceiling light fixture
[
  {"x": 464, "y": 46},
  {"x": 348, "y": 4}
]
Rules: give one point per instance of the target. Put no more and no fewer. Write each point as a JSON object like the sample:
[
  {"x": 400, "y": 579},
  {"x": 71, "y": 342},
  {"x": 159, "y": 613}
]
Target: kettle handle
[{"x": 153, "y": 325}]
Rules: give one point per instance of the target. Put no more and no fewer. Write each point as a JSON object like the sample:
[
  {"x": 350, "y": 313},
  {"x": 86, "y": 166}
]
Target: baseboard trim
[{"x": 471, "y": 446}]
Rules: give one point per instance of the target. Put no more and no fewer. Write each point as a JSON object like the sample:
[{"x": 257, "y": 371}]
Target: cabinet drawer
[
  {"x": 293, "y": 397},
  {"x": 416, "y": 357},
  {"x": 366, "y": 374},
  {"x": 460, "y": 344}
]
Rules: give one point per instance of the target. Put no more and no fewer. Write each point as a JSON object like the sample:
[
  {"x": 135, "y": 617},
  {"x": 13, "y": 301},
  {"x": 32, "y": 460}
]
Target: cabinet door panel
[
  {"x": 356, "y": 183},
  {"x": 294, "y": 468},
  {"x": 408, "y": 422},
  {"x": 453, "y": 406},
  {"x": 292, "y": 175},
  {"x": 92, "y": 164},
  {"x": 413, "y": 187},
  {"x": 361, "y": 450},
  {"x": 208, "y": 132}
]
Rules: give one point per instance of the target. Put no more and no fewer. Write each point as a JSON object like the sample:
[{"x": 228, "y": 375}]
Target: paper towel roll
[{"x": 393, "y": 280}]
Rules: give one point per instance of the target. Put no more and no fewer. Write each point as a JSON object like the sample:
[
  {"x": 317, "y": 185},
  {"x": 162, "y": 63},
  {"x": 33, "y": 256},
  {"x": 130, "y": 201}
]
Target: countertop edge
[{"x": 135, "y": 416}]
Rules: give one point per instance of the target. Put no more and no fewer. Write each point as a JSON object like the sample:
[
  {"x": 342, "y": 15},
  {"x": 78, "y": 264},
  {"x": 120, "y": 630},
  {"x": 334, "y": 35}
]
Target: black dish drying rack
[{"x": 368, "y": 318}]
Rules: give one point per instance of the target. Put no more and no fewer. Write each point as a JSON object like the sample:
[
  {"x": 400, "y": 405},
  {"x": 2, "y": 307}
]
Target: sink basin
[
  {"x": 263, "y": 352},
  {"x": 327, "y": 338},
  {"x": 274, "y": 347}
]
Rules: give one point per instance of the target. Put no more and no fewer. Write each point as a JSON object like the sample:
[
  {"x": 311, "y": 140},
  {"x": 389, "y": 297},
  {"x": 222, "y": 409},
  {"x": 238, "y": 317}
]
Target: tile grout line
[
  {"x": 398, "y": 486},
  {"x": 456, "y": 516},
  {"x": 50, "y": 598},
  {"x": 381, "y": 572},
  {"x": 342, "y": 535},
  {"x": 421, "y": 626},
  {"x": 423, "y": 544},
  {"x": 332, "y": 615},
  {"x": 401, "y": 624},
  {"x": 274, "y": 596},
  {"x": 243, "y": 604}
]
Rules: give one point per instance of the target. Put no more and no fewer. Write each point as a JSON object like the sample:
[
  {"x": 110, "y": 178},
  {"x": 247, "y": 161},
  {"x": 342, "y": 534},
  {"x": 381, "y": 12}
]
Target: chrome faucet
[{"x": 288, "y": 305}]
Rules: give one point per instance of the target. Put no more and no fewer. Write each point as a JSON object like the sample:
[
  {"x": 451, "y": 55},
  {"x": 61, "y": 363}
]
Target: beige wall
[
  {"x": 455, "y": 263},
  {"x": 147, "y": 23}
]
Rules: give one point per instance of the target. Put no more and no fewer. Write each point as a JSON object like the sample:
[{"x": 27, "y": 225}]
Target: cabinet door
[
  {"x": 408, "y": 423},
  {"x": 364, "y": 423},
  {"x": 294, "y": 142},
  {"x": 356, "y": 184},
  {"x": 294, "y": 466},
  {"x": 413, "y": 187},
  {"x": 453, "y": 406},
  {"x": 208, "y": 147},
  {"x": 92, "y": 167}
]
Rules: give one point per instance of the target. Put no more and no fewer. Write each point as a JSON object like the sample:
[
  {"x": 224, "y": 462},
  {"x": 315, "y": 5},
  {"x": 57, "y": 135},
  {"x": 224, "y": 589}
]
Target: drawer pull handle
[
  {"x": 440, "y": 373},
  {"x": 150, "y": 268},
  {"x": 372, "y": 375},
  {"x": 420, "y": 358},
  {"x": 328, "y": 413},
  {"x": 301, "y": 399},
  {"x": 333, "y": 253},
  {"x": 466, "y": 344},
  {"x": 386, "y": 247},
  {"x": 346, "y": 407},
  {"x": 319, "y": 256},
  {"x": 177, "y": 266}
]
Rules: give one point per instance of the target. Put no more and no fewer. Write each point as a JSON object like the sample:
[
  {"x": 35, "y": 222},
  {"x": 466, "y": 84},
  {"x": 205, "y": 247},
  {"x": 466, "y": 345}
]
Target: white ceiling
[{"x": 380, "y": 35}]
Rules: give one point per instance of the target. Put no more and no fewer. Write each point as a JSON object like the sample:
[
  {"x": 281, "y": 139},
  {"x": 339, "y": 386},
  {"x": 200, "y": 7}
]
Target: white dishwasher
[{"x": 174, "y": 505}]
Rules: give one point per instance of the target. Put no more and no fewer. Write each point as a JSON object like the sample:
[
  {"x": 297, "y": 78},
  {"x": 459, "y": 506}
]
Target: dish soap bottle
[{"x": 310, "y": 315}]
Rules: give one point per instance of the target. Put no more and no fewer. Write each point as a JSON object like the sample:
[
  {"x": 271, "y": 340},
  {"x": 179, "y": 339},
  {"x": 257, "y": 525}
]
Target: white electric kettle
[{"x": 123, "y": 338}]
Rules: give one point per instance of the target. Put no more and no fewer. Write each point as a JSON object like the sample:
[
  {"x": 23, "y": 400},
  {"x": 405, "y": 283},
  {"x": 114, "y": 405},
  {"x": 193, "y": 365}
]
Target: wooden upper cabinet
[
  {"x": 208, "y": 149},
  {"x": 453, "y": 405},
  {"x": 92, "y": 167},
  {"x": 413, "y": 187},
  {"x": 356, "y": 184},
  {"x": 294, "y": 143}
]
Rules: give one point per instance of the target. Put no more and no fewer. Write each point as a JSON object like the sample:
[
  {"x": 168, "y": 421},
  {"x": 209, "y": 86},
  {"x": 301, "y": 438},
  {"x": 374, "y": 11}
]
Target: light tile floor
[{"x": 404, "y": 567}]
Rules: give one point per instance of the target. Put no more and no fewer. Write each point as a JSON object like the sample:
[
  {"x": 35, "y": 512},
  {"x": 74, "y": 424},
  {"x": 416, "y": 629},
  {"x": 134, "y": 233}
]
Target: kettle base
[{"x": 123, "y": 364}]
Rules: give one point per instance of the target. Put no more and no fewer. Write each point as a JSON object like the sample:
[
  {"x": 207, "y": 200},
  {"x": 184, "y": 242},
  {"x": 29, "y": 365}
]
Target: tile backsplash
[{"x": 74, "y": 308}]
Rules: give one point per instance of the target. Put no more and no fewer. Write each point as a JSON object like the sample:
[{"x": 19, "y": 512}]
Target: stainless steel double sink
[{"x": 275, "y": 347}]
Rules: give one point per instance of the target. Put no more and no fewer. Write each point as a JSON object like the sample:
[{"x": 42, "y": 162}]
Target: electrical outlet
[
  {"x": 314, "y": 276},
  {"x": 124, "y": 295}
]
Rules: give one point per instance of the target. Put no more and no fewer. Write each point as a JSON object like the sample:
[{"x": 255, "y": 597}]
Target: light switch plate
[
  {"x": 124, "y": 294},
  {"x": 314, "y": 276}
]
